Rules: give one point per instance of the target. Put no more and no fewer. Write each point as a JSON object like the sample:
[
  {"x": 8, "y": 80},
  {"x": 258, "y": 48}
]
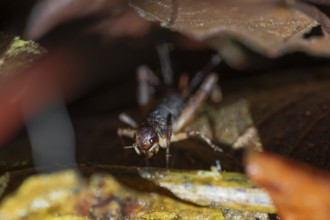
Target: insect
[{"x": 166, "y": 121}]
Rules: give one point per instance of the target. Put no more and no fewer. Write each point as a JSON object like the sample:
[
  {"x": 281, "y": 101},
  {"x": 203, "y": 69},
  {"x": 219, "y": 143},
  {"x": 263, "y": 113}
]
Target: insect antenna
[
  {"x": 135, "y": 148},
  {"x": 128, "y": 147}
]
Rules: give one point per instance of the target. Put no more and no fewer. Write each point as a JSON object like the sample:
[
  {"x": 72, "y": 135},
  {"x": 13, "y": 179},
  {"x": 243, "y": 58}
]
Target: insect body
[
  {"x": 166, "y": 121},
  {"x": 157, "y": 128}
]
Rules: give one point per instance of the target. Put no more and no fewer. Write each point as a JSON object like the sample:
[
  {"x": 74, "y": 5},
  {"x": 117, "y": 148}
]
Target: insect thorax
[{"x": 159, "y": 115}]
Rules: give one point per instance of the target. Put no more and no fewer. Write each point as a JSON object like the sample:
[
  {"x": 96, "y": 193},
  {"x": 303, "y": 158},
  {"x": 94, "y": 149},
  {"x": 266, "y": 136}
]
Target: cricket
[{"x": 167, "y": 121}]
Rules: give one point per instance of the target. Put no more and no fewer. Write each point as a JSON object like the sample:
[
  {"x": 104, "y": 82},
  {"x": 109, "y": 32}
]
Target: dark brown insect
[{"x": 166, "y": 121}]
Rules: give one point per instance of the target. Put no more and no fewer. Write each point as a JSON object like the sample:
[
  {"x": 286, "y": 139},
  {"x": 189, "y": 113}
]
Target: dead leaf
[
  {"x": 211, "y": 188},
  {"x": 272, "y": 29},
  {"x": 298, "y": 191},
  {"x": 295, "y": 120},
  {"x": 227, "y": 123}
]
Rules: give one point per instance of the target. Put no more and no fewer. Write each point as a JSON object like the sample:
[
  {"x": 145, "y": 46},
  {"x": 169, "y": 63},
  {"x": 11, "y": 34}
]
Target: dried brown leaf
[
  {"x": 229, "y": 122},
  {"x": 298, "y": 191},
  {"x": 47, "y": 14},
  {"x": 293, "y": 116},
  {"x": 272, "y": 29}
]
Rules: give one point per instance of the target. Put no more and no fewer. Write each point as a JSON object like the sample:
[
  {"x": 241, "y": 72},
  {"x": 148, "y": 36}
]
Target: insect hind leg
[
  {"x": 195, "y": 102},
  {"x": 204, "y": 138},
  {"x": 185, "y": 135},
  {"x": 216, "y": 95}
]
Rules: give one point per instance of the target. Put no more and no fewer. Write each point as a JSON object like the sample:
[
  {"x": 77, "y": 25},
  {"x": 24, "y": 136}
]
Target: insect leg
[
  {"x": 145, "y": 79},
  {"x": 146, "y": 161},
  {"x": 185, "y": 135},
  {"x": 249, "y": 139},
  {"x": 127, "y": 132},
  {"x": 216, "y": 94},
  {"x": 195, "y": 102},
  {"x": 125, "y": 118},
  {"x": 183, "y": 82},
  {"x": 168, "y": 139}
]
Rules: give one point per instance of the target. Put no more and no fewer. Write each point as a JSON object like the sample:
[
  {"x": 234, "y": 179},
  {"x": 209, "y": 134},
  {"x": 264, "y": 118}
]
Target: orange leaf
[{"x": 298, "y": 191}]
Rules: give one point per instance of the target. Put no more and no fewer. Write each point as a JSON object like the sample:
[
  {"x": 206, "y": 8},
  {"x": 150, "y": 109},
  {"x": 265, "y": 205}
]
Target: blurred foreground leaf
[
  {"x": 298, "y": 191},
  {"x": 65, "y": 194},
  {"x": 112, "y": 18},
  {"x": 4, "y": 180},
  {"x": 16, "y": 52}
]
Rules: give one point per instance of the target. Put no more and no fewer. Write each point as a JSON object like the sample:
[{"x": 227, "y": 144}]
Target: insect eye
[{"x": 152, "y": 140}]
